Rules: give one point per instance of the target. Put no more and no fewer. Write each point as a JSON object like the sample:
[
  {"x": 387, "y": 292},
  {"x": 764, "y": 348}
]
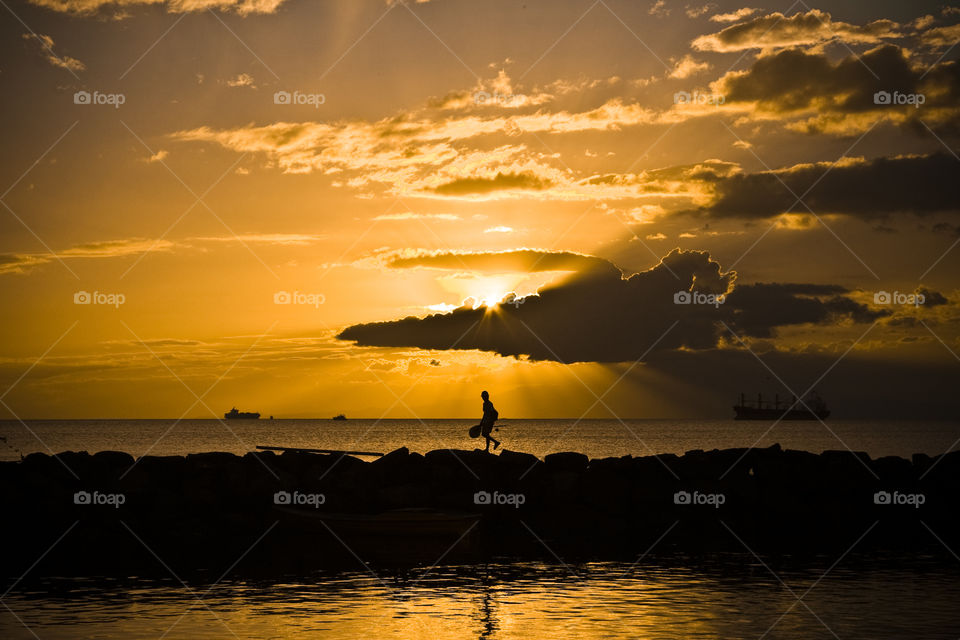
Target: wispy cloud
[
  {"x": 92, "y": 7},
  {"x": 19, "y": 263},
  {"x": 810, "y": 28},
  {"x": 44, "y": 45}
]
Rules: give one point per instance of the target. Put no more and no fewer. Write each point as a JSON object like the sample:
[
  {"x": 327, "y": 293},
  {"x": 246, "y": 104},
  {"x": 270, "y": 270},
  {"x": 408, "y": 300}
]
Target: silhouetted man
[{"x": 490, "y": 416}]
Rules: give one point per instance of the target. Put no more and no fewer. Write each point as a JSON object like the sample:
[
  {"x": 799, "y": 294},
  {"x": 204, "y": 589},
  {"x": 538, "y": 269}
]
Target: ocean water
[
  {"x": 729, "y": 596},
  {"x": 595, "y": 438}
]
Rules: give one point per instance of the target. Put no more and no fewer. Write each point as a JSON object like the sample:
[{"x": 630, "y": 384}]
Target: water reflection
[{"x": 729, "y": 596}]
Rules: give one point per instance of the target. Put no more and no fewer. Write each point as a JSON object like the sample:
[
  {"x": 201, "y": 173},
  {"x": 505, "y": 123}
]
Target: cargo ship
[
  {"x": 233, "y": 414},
  {"x": 812, "y": 408}
]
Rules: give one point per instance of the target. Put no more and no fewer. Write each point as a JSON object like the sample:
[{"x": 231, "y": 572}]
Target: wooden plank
[{"x": 334, "y": 451}]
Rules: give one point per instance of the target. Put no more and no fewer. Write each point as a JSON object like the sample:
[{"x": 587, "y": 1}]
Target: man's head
[{"x": 484, "y": 395}]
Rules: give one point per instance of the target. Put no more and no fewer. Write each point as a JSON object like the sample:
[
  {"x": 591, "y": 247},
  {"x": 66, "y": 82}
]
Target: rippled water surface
[{"x": 733, "y": 596}]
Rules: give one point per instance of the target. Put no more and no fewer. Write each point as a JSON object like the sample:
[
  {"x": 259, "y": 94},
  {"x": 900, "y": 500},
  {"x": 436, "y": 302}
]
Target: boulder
[{"x": 568, "y": 461}]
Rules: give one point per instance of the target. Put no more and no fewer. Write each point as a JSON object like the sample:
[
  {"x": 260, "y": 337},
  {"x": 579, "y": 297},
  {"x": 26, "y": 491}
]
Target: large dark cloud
[
  {"x": 601, "y": 316},
  {"x": 840, "y": 94},
  {"x": 865, "y": 189}
]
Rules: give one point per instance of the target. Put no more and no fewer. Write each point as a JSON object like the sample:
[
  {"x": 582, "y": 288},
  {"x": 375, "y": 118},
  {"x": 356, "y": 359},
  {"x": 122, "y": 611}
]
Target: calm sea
[
  {"x": 730, "y": 596},
  {"x": 596, "y": 438}
]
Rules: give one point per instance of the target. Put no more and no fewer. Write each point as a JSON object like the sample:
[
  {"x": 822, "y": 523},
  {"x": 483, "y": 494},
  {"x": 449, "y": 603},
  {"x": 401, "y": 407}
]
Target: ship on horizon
[
  {"x": 812, "y": 408},
  {"x": 233, "y": 414}
]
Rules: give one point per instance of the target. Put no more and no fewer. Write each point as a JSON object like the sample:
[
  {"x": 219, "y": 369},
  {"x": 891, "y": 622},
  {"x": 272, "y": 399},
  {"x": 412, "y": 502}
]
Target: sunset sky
[{"x": 254, "y": 194}]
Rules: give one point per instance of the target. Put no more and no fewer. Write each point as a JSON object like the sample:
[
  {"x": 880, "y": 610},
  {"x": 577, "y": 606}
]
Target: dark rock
[
  {"x": 204, "y": 510},
  {"x": 512, "y": 459},
  {"x": 921, "y": 461},
  {"x": 212, "y": 459},
  {"x": 113, "y": 459},
  {"x": 396, "y": 459},
  {"x": 893, "y": 468},
  {"x": 566, "y": 461}
]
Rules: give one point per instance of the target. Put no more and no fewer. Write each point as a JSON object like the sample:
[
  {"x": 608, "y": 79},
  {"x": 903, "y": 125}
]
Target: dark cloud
[
  {"x": 520, "y": 260},
  {"x": 948, "y": 229},
  {"x": 867, "y": 189},
  {"x": 841, "y": 94},
  {"x": 602, "y": 316},
  {"x": 758, "y": 310},
  {"x": 508, "y": 181},
  {"x": 932, "y": 298}
]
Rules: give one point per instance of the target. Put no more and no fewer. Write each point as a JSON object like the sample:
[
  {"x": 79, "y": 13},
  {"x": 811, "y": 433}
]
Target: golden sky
[{"x": 311, "y": 207}]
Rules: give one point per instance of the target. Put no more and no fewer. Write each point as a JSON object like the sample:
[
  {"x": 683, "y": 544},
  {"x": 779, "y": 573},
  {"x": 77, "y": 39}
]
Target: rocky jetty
[{"x": 111, "y": 514}]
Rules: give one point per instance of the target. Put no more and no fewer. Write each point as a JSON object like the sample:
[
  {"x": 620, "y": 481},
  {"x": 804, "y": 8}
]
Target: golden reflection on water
[{"x": 737, "y": 599}]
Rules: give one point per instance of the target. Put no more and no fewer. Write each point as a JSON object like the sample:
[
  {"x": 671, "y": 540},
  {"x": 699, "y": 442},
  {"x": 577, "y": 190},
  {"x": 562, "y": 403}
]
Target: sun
[{"x": 484, "y": 290}]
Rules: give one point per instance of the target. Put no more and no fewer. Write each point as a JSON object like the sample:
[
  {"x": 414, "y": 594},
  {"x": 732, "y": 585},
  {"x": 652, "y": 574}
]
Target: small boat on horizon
[
  {"x": 233, "y": 414},
  {"x": 812, "y": 408},
  {"x": 339, "y": 416}
]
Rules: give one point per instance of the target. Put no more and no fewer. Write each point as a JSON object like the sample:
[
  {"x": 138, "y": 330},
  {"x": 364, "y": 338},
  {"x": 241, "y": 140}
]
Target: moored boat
[
  {"x": 811, "y": 408},
  {"x": 234, "y": 414}
]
